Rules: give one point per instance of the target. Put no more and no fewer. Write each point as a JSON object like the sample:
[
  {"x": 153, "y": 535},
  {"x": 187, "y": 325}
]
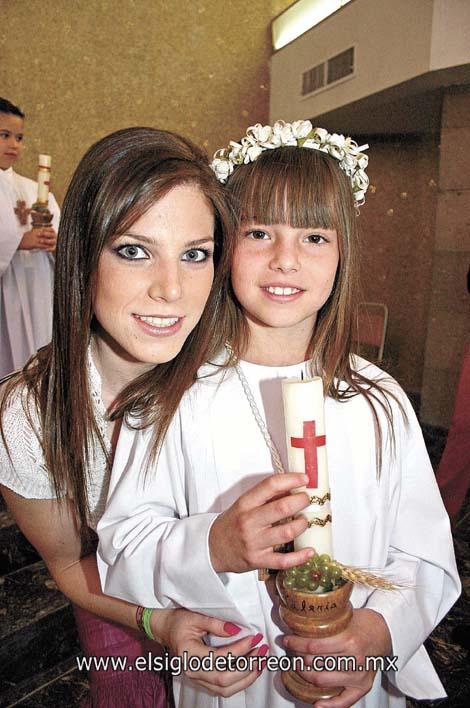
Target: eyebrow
[{"x": 153, "y": 241}]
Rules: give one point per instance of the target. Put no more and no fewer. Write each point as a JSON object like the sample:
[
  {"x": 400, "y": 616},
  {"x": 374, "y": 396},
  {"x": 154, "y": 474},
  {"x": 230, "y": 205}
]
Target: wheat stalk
[{"x": 365, "y": 577}]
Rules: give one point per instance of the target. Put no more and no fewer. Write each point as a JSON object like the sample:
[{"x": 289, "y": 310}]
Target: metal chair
[{"x": 372, "y": 318}]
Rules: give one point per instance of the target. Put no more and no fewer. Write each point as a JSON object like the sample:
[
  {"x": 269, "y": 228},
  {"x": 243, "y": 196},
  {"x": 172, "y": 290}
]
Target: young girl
[
  {"x": 145, "y": 231},
  {"x": 195, "y": 531}
]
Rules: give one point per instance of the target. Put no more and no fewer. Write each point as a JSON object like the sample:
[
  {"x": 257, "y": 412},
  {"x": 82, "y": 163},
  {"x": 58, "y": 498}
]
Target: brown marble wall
[
  {"x": 448, "y": 331},
  {"x": 397, "y": 235},
  {"x": 81, "y": 69}
]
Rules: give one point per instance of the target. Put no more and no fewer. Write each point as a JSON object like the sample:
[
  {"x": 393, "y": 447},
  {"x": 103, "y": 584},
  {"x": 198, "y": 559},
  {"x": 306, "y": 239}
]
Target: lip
[
  {"x": 11, "y": 154},
  {"x": 282, "y": 298},
  {"x": 159, "y": 331}
]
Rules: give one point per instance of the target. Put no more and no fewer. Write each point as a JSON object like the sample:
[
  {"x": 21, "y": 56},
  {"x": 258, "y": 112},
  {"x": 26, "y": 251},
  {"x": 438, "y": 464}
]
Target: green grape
[
  {"x": 312, "y": 585},
  {"x": 301, "y": 582},
  {"x": 335, "y": 573},
  {"x": 289, "y": 582},
  {"x": 324, "y": 558}
]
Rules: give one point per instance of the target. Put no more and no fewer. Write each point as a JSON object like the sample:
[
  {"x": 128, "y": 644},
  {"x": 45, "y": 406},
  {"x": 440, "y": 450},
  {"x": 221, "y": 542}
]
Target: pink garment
[
  {"x": 453, "y": 473},
  {"x": 117, "y": 688}
]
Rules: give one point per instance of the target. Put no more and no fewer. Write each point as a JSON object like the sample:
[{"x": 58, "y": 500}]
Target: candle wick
[{"x": 302, "y": 375}]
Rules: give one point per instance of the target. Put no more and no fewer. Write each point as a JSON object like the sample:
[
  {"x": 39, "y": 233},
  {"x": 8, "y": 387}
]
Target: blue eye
[
  {"x": 131, "y": 252},
  {"x": 196, "y": 255}
]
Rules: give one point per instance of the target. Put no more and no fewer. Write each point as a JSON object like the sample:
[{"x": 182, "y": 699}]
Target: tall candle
[
  {"x": 44, "y": 176},
  {"x": 304, "y": 414}
]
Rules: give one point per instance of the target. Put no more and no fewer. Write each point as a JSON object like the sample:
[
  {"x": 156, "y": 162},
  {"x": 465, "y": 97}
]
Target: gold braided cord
[
  {"x": 320, "y": 500},
  {"x": 316, "y": 521}
]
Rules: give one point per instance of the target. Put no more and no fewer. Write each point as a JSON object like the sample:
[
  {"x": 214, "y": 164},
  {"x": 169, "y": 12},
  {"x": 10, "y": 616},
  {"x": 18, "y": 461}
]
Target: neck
[
  {"x": 277, "y": 346},
  {"x": 115, "y": 370}
]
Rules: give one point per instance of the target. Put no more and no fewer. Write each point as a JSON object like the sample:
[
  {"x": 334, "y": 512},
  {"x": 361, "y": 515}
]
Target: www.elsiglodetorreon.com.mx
[{"x": 177, "y": 665}]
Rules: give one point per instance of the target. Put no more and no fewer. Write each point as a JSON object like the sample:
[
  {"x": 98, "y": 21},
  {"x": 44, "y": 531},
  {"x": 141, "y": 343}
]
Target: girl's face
[
  {"x": 11, "y": 139},
  {"x": 282, "y": 275},
  {"x": 153, "y": 281}
]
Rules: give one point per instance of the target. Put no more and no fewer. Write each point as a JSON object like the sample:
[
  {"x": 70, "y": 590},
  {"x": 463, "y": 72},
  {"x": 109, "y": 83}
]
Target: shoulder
[{"x": 22, "y": 466}]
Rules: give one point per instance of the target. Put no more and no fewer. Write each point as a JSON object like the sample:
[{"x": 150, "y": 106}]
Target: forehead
[{"x": 10, "y": 122}]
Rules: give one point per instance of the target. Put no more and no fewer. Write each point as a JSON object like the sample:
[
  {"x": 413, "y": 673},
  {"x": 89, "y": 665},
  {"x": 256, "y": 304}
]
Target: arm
[
  {"x": 147, "y": 531},
  {"x": 421, "y": 552},
  {"x": 51, "y": 526}
]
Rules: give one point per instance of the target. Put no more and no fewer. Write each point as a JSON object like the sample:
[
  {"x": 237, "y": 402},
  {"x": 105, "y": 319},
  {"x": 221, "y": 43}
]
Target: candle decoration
[
  {"x": 304, "y": 414},
  {"x": 40, "y": 214}
]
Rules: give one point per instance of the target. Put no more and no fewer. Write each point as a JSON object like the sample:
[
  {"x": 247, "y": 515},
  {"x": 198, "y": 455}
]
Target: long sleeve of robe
[
  {"x": 26, "y": 277},
  {"x": 154, "y": 534}
]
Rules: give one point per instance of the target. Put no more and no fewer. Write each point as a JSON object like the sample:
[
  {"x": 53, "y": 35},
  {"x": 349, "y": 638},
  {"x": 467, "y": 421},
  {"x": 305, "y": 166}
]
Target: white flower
[
  {"x": 222, "y": 168},
  {"x": 363, "y": 161},
  {"x": 336, "y": 146},
  {"x": 352, "y": 161},
  {"x": 235, "y": 153},
  {"x": 252, "y": 153},
  {"x": 260, "y": 133},
  {"x": 320, "y": 135},
  {"x": 301, "y": 128},
  {"x": 311, "y": 143}
]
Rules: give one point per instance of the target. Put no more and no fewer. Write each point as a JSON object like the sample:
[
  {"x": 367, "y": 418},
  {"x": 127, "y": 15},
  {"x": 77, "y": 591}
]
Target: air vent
[
  {"x": 328, "y": 72},
  {"x": 313, "y": 79},
  {"x": 340, "y": 66}
]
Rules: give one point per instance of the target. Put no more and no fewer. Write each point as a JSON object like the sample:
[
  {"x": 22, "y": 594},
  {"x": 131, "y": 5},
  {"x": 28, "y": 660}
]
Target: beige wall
[
  {"x": 392, "y": 43},
  {"x": 83, "y": 68},
  {"x": 448, "y": 331}
]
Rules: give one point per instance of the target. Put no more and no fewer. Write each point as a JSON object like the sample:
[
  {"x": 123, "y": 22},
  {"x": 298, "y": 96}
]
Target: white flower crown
[{"x": 301, "y": 133}]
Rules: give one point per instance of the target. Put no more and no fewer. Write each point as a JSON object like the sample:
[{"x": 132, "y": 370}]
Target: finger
[
  {"x": 282, "y": 561},
  {"x": 282, "y": 508},
  {"x": 238, "y": 670},
  {"x": 271, "y": 487},
  {"x": 240, "y": 647},
  {"x": 348, "y": 697},
  {"x": 230, "y": 690},
  {"x": 283, "y": 533},
  {"x": 326, "y": 645}
]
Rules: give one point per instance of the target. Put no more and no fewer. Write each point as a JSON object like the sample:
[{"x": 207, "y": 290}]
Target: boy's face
[{"x": 11, "y": 139}]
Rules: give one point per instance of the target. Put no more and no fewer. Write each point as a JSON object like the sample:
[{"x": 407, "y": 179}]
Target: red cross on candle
[{"x": 310, "y": 442}]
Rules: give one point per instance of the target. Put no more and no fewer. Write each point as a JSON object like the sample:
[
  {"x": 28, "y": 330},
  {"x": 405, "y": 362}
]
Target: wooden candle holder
[
  {"x": 40, "y": 215},
  {"x": 313, "y": 615}
]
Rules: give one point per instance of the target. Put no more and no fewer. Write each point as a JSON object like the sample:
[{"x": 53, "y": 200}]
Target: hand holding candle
[{"x": 304, "y": 414}]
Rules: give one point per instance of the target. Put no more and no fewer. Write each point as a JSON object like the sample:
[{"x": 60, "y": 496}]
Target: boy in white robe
[{"x": 26, "y": 254}]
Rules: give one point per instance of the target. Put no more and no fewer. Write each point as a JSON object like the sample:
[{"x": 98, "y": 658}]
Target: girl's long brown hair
[
  {"x": 116, "y": 182},
  {"x": 306, "y": 188}
]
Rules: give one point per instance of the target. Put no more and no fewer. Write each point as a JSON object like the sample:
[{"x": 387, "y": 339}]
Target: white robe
[
  {"x": 26, "y": 277},
  {"x": 154, "y": 538}
]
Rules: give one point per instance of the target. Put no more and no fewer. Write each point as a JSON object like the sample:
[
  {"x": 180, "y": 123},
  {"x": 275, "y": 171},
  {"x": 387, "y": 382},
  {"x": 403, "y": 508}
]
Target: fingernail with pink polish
[
  {"x": 257, "y": 638},
  {"x": 263, "y": 650},
  {"x": 231, "y": 628}
]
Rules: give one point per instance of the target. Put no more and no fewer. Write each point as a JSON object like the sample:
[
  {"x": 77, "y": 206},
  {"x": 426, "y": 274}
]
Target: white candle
[
  {"x": 304, "y": 414},
  {"x": 44, "y": 176}
]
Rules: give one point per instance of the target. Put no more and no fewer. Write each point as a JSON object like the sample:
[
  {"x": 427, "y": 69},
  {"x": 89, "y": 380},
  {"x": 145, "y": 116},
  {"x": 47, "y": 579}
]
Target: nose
[
  {"x": 285, "y": 257},
  {"x": 166, "y": 284},
  {"x": 12, "y": 142}
]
